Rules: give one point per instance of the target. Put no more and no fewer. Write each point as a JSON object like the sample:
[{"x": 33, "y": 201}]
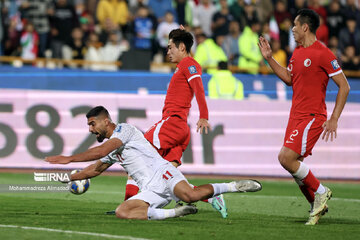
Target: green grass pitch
[{"x": 277, "y": 212}]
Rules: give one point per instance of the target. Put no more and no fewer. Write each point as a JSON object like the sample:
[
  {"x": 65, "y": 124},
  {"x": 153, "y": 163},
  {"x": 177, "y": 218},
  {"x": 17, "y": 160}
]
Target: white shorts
[{"x": 160, "y": 190}]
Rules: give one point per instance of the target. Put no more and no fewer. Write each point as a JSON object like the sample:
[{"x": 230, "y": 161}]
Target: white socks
[
  {"x": 220, "y": 188},
  {"x": 159, "y": 214}
]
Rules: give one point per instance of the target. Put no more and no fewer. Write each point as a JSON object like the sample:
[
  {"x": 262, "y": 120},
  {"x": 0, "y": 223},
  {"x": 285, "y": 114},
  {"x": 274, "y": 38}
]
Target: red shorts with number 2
[
  {"x": 170, "y": 137},
  {"x": 302, "y": 134}
]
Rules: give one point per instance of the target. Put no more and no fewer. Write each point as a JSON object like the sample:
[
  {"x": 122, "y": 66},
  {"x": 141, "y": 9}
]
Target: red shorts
[
  {"x": 302, "y": 134},
  {"x": 170, "y": 137}
]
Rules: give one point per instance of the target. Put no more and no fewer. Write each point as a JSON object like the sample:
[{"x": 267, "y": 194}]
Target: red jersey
[
  {"x": 184, "y": 83},
  {"x": 311, "y": 69}
]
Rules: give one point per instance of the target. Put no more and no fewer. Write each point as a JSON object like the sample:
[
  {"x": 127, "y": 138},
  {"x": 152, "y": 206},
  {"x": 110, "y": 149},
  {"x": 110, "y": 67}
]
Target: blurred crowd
[{"x": 224, "y": 30}]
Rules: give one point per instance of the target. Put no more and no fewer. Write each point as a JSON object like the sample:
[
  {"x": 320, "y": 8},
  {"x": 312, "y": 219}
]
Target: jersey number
[
  {"x": 294, "y": 134},
  {"x": 167, "y": 175}
]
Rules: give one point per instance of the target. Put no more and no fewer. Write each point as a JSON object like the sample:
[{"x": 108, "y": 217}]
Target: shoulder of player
[{"x": 188, "y": 62}]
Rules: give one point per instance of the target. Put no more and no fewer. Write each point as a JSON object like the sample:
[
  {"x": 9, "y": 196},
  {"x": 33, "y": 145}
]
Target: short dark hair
[
  {"x": 310, "y": 17},
  {"x": 223, "y": 65},
  {"x": 181, "y": 36},
  {"x": 98, "y": 110}
]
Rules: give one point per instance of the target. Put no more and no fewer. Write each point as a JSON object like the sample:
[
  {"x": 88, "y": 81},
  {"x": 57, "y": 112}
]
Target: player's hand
[
  {"x": 265, "y": 48},
  {"x": 329, "y": 127},
  {"x": 202, "y": 124},
  {"x": 182, "y": 27},
  {"x": 58, "y": 159}
]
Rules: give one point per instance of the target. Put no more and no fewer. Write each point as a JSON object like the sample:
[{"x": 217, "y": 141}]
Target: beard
[{"x": 100, "y": 136}]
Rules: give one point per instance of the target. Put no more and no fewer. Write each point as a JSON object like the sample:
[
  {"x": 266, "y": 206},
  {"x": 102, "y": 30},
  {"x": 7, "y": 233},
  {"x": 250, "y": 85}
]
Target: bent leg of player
[
  {"x": 180, "y": 187},
  {"x": 147, "y": 206},
  {"x": 131, "y": 189},
  {"x": 171, "y": 137},
  {"x": 300, "y": 138}
]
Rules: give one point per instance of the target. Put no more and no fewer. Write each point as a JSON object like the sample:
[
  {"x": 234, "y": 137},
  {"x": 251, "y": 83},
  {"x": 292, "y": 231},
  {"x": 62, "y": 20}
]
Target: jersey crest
[
  {"x": 192, "y": 69},
  {"x": 335, "y": 64},
  {"x": 307, "y": 62},
  {"x": 118, "y": 128}
]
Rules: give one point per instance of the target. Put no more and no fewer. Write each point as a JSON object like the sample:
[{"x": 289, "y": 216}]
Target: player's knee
[
  {"x": 121, "y": 213},
  {"x": 283, "y": 160}
]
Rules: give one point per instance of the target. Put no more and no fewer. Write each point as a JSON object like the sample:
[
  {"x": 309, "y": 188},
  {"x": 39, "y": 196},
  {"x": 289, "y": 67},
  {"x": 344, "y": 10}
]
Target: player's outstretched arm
[
  {"x": 91, "y": 171},
  {"x": 330, "y": 126},
  {"x": 280, "y": 71},
  {"x": 89, "y": 155}
]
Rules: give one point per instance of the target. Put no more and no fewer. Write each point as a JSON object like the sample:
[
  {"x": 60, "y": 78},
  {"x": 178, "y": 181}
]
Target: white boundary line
[
  {"x": 72, "y": 232},
  {"x": 295, "y": 197}
]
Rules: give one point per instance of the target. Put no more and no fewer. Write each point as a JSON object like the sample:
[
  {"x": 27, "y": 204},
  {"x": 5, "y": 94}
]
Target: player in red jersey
[
  {"x": 308, "y": 72},
  {"x": 171, "y": 135}
]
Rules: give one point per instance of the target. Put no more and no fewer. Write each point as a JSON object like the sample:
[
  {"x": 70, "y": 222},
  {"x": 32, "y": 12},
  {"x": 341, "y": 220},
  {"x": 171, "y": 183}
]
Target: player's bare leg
[
  {"x": 310, "y": 186},
  {"x": 138, "y": 209}
]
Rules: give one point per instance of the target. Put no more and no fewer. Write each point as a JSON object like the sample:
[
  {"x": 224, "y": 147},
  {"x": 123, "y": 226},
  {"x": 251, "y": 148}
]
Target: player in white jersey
[{"x": 159, "y": 181}]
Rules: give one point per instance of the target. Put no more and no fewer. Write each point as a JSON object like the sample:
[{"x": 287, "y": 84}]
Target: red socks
[{"x": 131, "y": 189}]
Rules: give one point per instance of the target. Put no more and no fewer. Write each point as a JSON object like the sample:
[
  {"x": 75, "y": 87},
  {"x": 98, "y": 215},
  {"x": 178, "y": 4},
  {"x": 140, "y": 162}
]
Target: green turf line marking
[{"x": 73, "y": 232}]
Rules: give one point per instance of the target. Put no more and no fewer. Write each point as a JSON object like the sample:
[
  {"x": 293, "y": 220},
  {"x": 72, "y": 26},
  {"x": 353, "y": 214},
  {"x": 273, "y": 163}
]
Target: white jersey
[{"x": 139, "y": 159}]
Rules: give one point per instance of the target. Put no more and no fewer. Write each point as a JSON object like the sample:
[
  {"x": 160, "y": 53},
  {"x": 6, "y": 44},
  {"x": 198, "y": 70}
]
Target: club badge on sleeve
[
  {"x": 335, "y": 64},
  {"x": 192, "y": 69}
]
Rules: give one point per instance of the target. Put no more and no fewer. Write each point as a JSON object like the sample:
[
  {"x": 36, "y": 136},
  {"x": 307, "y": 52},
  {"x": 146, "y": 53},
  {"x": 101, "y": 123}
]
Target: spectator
[
  {"x": 115, "y": 11},
  {"x": 265, "y": 10},
  {"x": 322, "y": 33},
  {"x": 159, "y": 8},
  {"x": 281, "y": 12},
  {"x": 251, "y": 57},
  {"x": 208, "y": 54},
  {"x": 278, "y": 54},
  {"x": 351, "y": 11},
  {"x": 94, "y": 52},
  {"x": 295, "y": 6},
  {"x": 184, "y": 12},
  {"x": 29, "y": 42},
  {"x": 220, "y": 20},
  {"x": 349, "y": 60},
  {"x": 112, "y": 51},
  {"x": 163, "y": 31},
  {"x": 203, "y": 14},
  {"x": 231, "y": 43},
  {"x": 63, "y": 22},
  {"x": 333, "y": 45},
  {"x": 250, "y": 13},
  {"x": 87, "y": 25},
  {"x": 286, "y": 36},
  {"x": 76, "y": 48},
  {"x": 38, "y": 12},
  {"x": 223, "y": 85},
  {"x": 12, "y": 37},
  {"x": 109, "y": 27},
  {"x": 134, "y": 6},
  {"x": 1, "y": 28},
  {"x": 238, "y": 12},
  {"x": 316, "y": 6},
  {"x": 143, "y": 29},
  {"x": 349, "y": 36},
  {"x": 335, "y": 18}
]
